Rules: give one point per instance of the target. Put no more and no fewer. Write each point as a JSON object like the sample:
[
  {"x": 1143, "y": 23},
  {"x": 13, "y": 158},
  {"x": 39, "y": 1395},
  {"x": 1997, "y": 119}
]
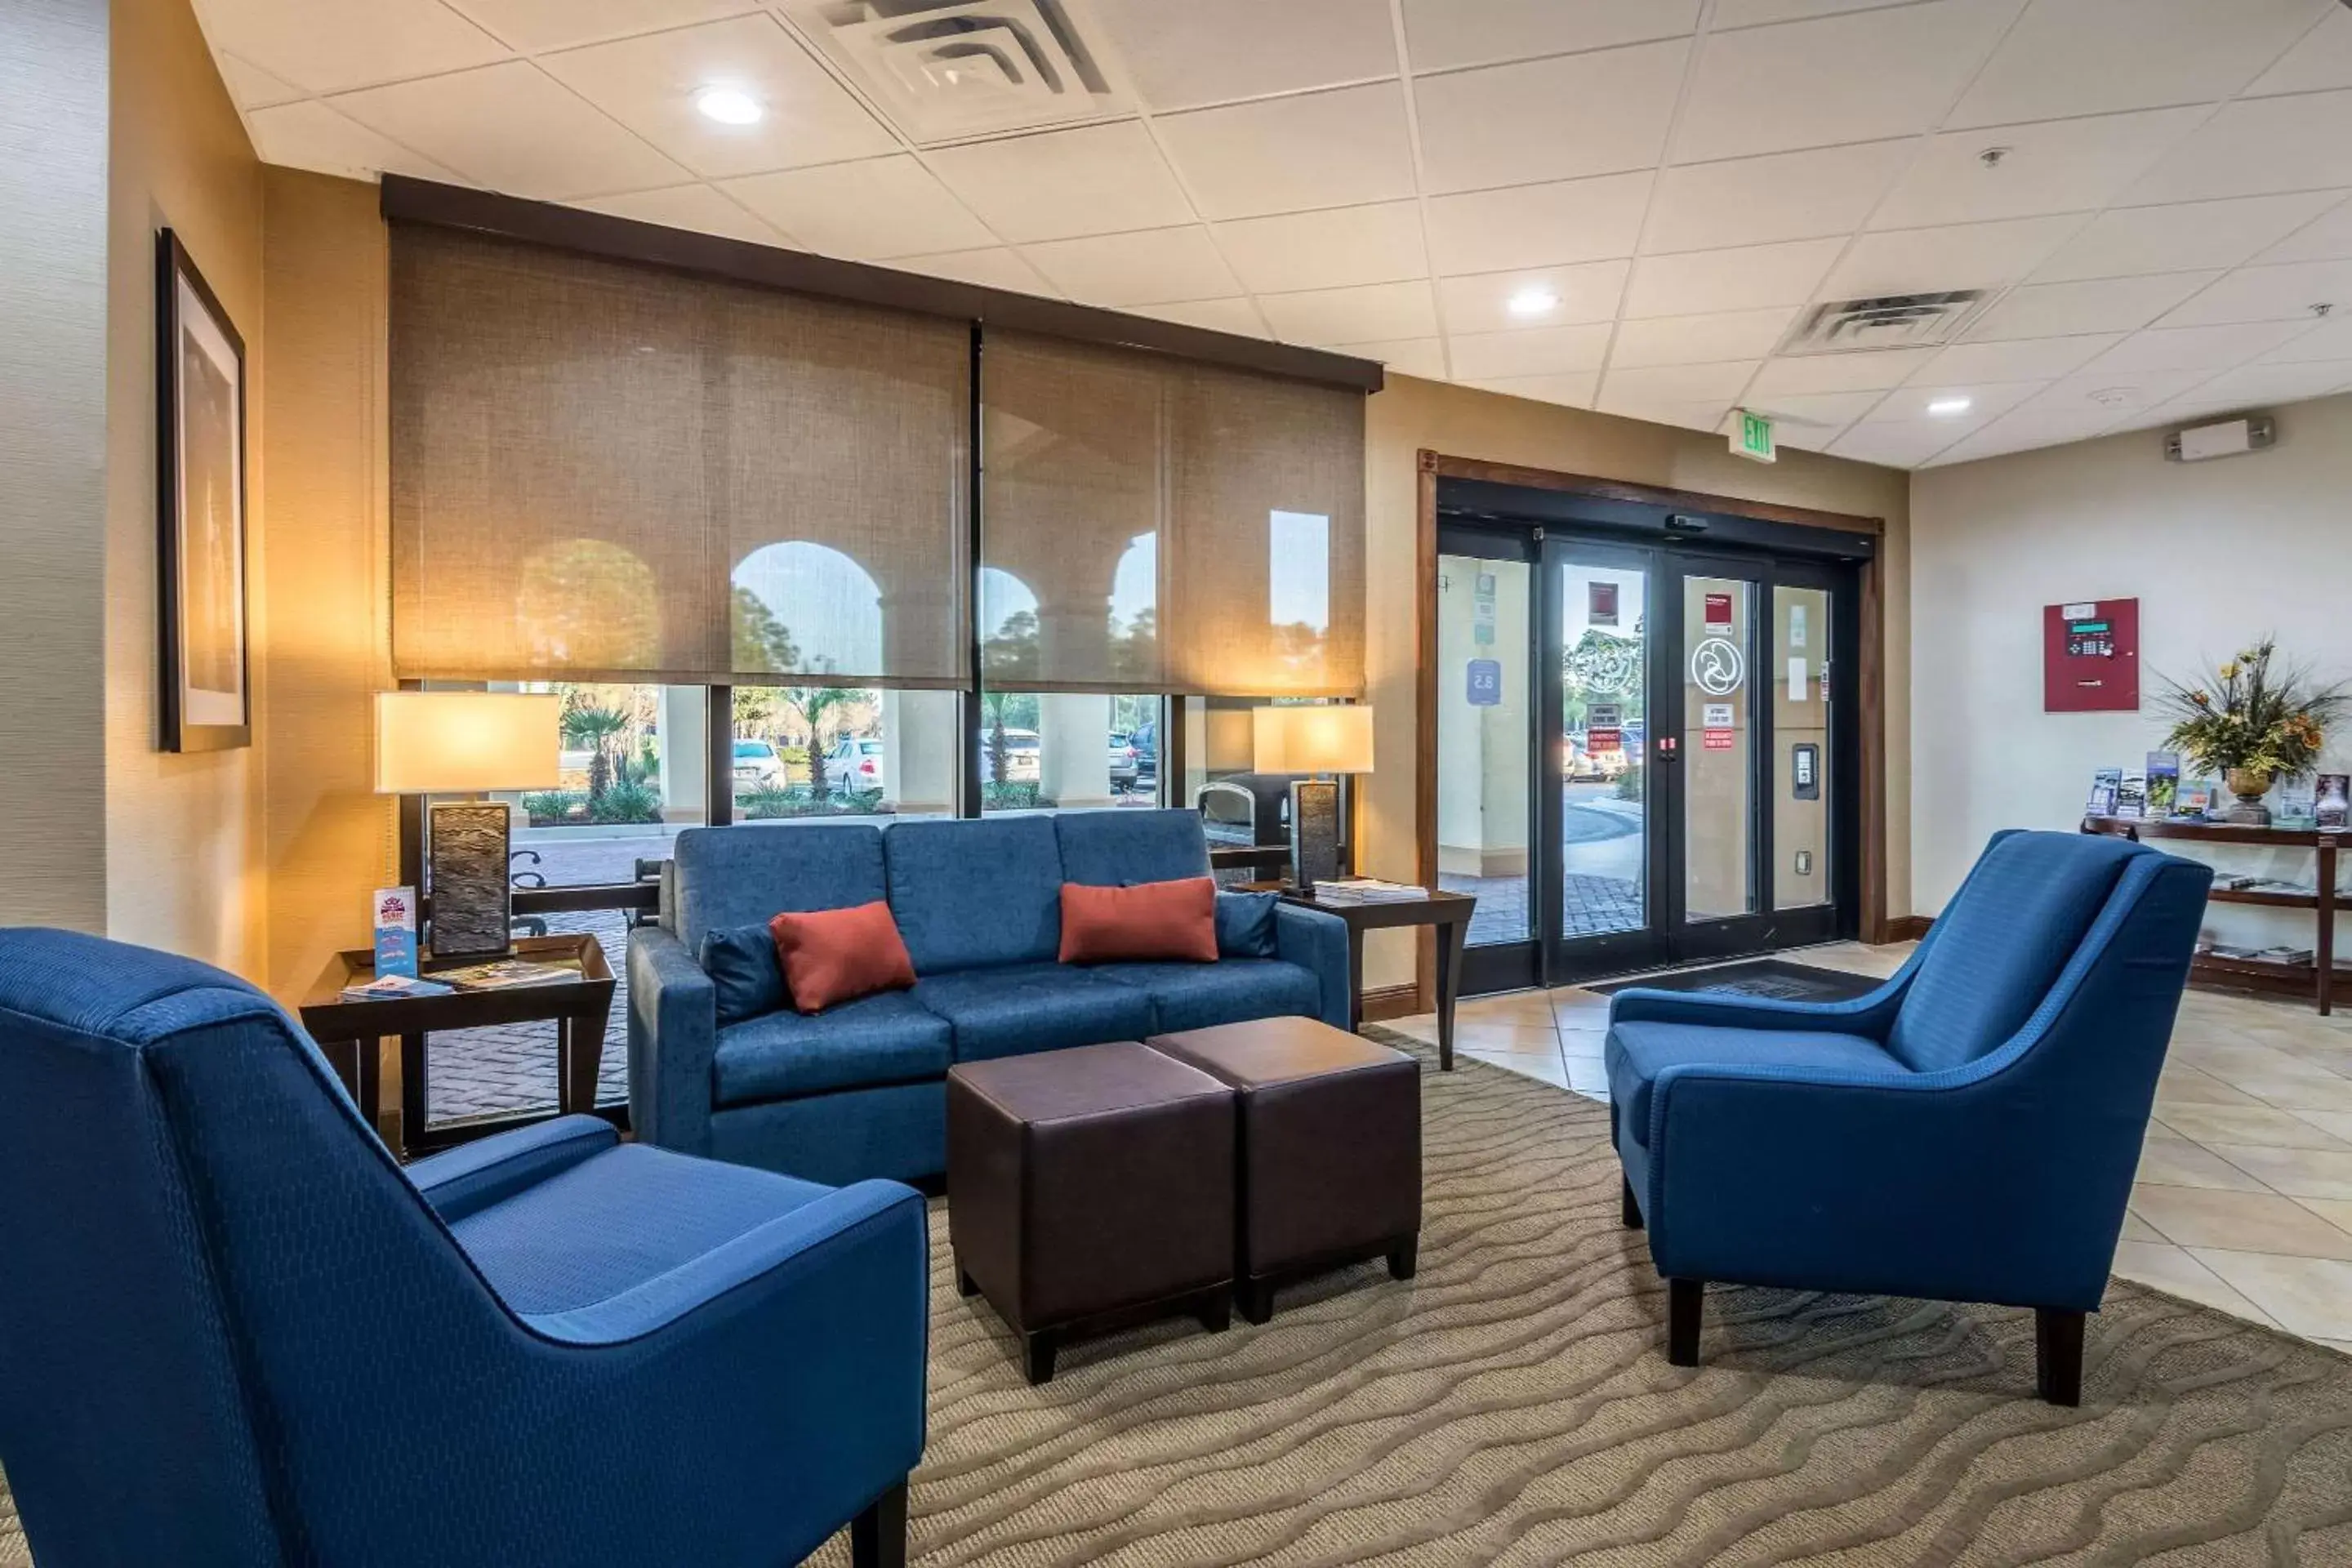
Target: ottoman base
[
  {"x": 1255, "y": 1292},
  {"x": 1213, "y": 1307}
]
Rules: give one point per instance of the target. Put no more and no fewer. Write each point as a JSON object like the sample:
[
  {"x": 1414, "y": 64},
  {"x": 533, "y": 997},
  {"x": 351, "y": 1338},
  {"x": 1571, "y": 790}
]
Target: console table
[
  {"x": 1447, "y": 914},
  {"x": 2315, "y": 979}
]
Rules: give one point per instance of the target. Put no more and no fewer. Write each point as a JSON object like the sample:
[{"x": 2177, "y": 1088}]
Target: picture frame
[{"x": 205, "y": 669}]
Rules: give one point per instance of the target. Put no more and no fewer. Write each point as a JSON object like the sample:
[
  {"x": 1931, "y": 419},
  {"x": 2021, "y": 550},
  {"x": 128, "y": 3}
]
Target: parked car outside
[
  {"x": 1135, "y": 758},
  {"x": 854, "y": 766},
  {"x": 757, "y": 766},
  {"x": 1021, "y": 753}
]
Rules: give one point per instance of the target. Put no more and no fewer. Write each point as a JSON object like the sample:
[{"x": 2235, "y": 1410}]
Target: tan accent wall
[
  {"x": 183, "y": 868},
  {"x": 1462, "y": 422},
  {"x": 329, "y": 841}
]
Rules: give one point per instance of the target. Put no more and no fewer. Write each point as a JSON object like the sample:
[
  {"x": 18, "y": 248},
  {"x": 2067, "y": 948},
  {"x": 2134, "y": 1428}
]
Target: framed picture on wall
[{"x": 208, "y": 699}]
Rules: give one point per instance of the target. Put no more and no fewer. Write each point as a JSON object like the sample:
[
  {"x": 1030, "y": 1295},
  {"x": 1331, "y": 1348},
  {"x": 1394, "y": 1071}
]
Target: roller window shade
[
  {"x": 602, "y": 471},
  {"x": 1150, "y": 524}
]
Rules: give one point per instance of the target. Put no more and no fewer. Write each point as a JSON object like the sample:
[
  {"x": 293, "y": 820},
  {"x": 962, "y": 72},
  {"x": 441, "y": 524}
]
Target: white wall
[{"x": 2218, "y": 553}]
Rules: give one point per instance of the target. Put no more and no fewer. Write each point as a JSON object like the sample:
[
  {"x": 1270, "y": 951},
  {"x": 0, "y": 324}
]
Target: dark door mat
[{"x": 1774, "y": 977}]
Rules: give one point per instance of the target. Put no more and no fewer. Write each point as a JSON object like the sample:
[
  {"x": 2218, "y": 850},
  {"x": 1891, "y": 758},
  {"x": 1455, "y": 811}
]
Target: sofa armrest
[
  {"x": 1870, "y": 1014},
  {"x": 672, "y": 1036},
  {"x": 1317, "y": 940},
  {"x": 473, "y": 1176}
]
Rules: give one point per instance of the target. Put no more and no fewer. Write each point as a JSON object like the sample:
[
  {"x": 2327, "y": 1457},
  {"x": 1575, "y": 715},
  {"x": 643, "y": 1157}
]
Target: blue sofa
[
  {"x": 1967, "y": 1132},
  {"x": 860, "y": 1089},
  {"x": 233, "y": 1331}
]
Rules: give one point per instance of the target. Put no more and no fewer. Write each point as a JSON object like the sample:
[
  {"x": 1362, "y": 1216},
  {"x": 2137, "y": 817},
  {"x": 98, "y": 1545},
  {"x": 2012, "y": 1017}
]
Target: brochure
[
  {"x": 2131, "y": 795},
  {"x": 2163, "y": 784},
  {"x": 395, "y": 931},
  {"x": 2333, "y": 806},
  {"x": 504, "y": 975},
  {"x": 2195, "y": 801},
  {"x": 393, "y": 988},
  {"x": 2107, "y": 786}
]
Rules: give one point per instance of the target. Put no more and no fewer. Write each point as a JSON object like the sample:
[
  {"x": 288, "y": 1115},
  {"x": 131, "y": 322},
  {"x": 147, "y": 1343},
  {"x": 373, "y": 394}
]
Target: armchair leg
[
  {"x": 1684, "y": 1298},
  {"x": 2058, "y": 1356},
  {"x": 877, "y": 1538},
  {"x": 1629, "y": 1212}
]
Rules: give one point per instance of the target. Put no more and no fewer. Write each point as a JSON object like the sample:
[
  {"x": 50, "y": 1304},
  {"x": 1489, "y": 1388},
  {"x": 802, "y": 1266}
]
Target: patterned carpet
[{"x": 1513, "y": 1406}]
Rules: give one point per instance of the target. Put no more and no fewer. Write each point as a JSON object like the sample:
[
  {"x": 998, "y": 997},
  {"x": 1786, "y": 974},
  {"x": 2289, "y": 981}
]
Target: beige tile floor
[{"x": 2245, "y": 1195}]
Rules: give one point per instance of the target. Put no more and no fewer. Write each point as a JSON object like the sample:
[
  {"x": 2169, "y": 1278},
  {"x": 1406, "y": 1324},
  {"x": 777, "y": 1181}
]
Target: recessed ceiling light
[
  {"x": 1946, "y": 407},
  {"x": 728, "y": 106},
  {"x": 1533, "y": 301}
]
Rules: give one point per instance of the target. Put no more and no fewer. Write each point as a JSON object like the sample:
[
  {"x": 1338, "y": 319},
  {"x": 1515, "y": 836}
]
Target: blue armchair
[
  {"x": 232, "y": 1330},
  {"x": 1967, "y": 1132}
]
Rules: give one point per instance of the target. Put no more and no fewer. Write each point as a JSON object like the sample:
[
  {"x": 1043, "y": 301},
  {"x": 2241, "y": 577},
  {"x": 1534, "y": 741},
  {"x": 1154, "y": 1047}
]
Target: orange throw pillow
[
  {"x": 1151, "y": 919},
  {"x": 839, "y": 955}
]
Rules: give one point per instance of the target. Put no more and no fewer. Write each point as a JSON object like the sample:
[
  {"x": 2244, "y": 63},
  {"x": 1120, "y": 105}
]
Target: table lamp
[
  {"x": 467, "y": 742},
  {"x": 1318, "y": 739}
]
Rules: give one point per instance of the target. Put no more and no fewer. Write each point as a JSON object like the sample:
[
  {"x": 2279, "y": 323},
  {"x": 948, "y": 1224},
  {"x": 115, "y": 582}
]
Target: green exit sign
[{"x": 1751, "y": 436}]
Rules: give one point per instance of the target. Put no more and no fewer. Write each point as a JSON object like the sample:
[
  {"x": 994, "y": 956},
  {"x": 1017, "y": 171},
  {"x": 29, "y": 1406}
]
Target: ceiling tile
[
  {"x": 2030, "y": 359},
  {"x": 1964, "y": 256},
  {"x": 1574, "y": 391},
  {"x": 1214, "y": 51},
  {"x": 2067, "y": 165},
  {"x": 2127, "y": 241},
  {"x": 536, "y": 25},
  {"x": 330, "y": 45},
  {"x": 1700, "y": 339},
  {"x": 310, "y": 135},
  {"x": 649, "y": 84},
  {"x": 1534, "y": 226},
  {"x": 1424, "y": 357},
  {"x": 698, "y": 207},
  {"x": 1900, "y": 443},
  {"x": 1547, "y": 119},
  {"x": 2327, "y": 238},
  {"x": 2025, "y": 429},
  {"x": 1587, "y": 292},
  {"x": 1332, "y": 250},
  {"x": 2118, "y": 394},
  {"x": 1283, "y": 154},
  {"x": 1799, "y": 375},
  {"x": 1836, "y": 79},
  {"x": 1237, "y": 316},
  {"x": 990, "y": 267},
  {"x": 1817, "y": 411},
  {"x": 1706, "y": 415},
  {"x": 2286, "y": 293},
  {"x": 2330, "y": 339},
  {"x": 1697, "y": 281},
  {"x": 1150, "y": 266},
  {"x": 1360, "y": 315},
  {"x": 2100, "y": 305},
  {"x": 2258, "y": 384},
  {"x": 2090, "y": 57},
  {"x": 1442, "y": 35},
  {"x": 251, "y": 87},
  {"x": 1539, "y": 351},
  {"x": 1730, "y": 13},
  {"x": 867, "y": 211},
  {"x": 1094, "y": 179},
  {"x": 2323, "y": 59},
  {"x": 1785, "y": 195},
  {"x": 2196, "y": 348},
  {"x": 1677, "y": 383},
  {"x": 1985, "y": 401},
  {"x": 512, "y": 128},
  {"x": 2258, "y": 145}
]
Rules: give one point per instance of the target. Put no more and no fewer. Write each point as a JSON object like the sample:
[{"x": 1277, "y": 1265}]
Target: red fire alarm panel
[{"x": 2090, "y": 656}]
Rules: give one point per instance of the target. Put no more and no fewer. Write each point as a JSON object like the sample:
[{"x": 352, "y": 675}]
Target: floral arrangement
[{"x": 2248, "y": 717}]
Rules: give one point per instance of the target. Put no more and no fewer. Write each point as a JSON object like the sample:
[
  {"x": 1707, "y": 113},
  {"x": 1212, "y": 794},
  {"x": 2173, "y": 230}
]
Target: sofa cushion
[
  {"x": 1636, "y": 1053},
  {"x": 879, "y": 1039},
  {"x": 739, "y": 876},
  {"x": 970, "y": 895},
  {"x": 1114, "y": 848},
  {"x": 832, "y": 956},
  {"x": 746, "y": 975},
  {"x": 1162, "y": 921},
  {"x": 1018, "y": 1008},
  {"x": 1246, "y": 925},
  {"x": 1229, "y": 991},
  {"x": 1996, "y": 951}
]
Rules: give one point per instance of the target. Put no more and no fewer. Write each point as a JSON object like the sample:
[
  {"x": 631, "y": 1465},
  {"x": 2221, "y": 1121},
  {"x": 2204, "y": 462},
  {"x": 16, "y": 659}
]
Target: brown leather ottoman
[
  {"x": 1330, "y": 1148},
  {"x": 1090, "y": 1187}
]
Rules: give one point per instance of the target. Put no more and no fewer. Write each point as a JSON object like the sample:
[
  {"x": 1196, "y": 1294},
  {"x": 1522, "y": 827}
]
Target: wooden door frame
[{"x": 1875, "y": 926}]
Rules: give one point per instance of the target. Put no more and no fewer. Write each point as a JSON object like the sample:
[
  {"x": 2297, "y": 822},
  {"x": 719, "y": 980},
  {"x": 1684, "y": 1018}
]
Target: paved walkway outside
[{"x": 1601, "y": 890}]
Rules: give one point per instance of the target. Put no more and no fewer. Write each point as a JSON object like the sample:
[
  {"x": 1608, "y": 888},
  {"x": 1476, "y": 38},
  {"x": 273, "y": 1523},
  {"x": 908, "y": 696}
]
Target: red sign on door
[
  {"x": 1719, "y": 609},
  {"x": 1600, "y": 603},
  {"x": 1719, "y": 740}
]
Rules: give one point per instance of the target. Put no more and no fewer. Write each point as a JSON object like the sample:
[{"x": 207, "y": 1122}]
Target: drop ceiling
[{"x": 2155, "y": 195}]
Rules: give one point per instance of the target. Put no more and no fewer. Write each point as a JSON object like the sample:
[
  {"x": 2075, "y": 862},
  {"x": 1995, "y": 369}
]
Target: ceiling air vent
[
  {"x": 1889, "y": 322},
  {"x": 947, "y": 70}
]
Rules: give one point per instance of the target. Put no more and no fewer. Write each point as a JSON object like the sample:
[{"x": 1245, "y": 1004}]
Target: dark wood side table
[
  {"x": 1449, "y": 913},
  {"x": 349, "y": 1031}
]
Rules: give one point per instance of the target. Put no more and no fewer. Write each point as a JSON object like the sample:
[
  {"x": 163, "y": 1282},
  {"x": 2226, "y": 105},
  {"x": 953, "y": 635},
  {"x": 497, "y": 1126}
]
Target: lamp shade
[
  {"x": 1326, "y": 738},
  {"x": 466, "y": 741}
]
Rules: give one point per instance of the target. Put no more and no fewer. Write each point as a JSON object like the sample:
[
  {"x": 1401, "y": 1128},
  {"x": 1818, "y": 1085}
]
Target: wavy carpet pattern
[{"x": 1513, "y": 1406}]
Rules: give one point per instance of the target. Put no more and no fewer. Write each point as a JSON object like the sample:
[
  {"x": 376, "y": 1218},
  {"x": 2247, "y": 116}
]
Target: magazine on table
[
  {"x": 2107, "y": 789},
  {"x": 504, "y": 975},
  {"x": 2131, "y": 796},
  {"x": 1368, "y": 890},
  {"x": 393, "y": 988}
]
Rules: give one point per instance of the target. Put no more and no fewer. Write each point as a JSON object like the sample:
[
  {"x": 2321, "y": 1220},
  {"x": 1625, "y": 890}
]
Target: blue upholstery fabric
[
  {"x": 971, "y": 894},
  {"x": 878, "y": 1039},
  {"x": 672, "y": 1041},
  {"x": 1636, "y": 1053},
  {"x": 1246, "y": 925},
  {"x": 2031, "y": 896},
  {"x": 1033, "y": 1008},
  {"x": 739, "y": 876},
  {"x": 747, "y": 978},
  {"x": 2001, "y": 1176},
  {"x": 199, "y": 1230},
  {"x": 1317, "y": 940},
  {"x": 898, "y": 1132},
  {"x": 1195, "y": 995},
  {"x": 1120, "y": 849}
]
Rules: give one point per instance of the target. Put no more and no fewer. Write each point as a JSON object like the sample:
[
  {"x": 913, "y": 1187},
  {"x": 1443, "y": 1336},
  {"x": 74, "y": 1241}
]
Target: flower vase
[{"x": 2249, "y": 786}]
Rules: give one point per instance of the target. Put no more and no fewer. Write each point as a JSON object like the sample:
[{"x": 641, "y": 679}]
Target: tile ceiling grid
[{"x": 1319, "y": 117}]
